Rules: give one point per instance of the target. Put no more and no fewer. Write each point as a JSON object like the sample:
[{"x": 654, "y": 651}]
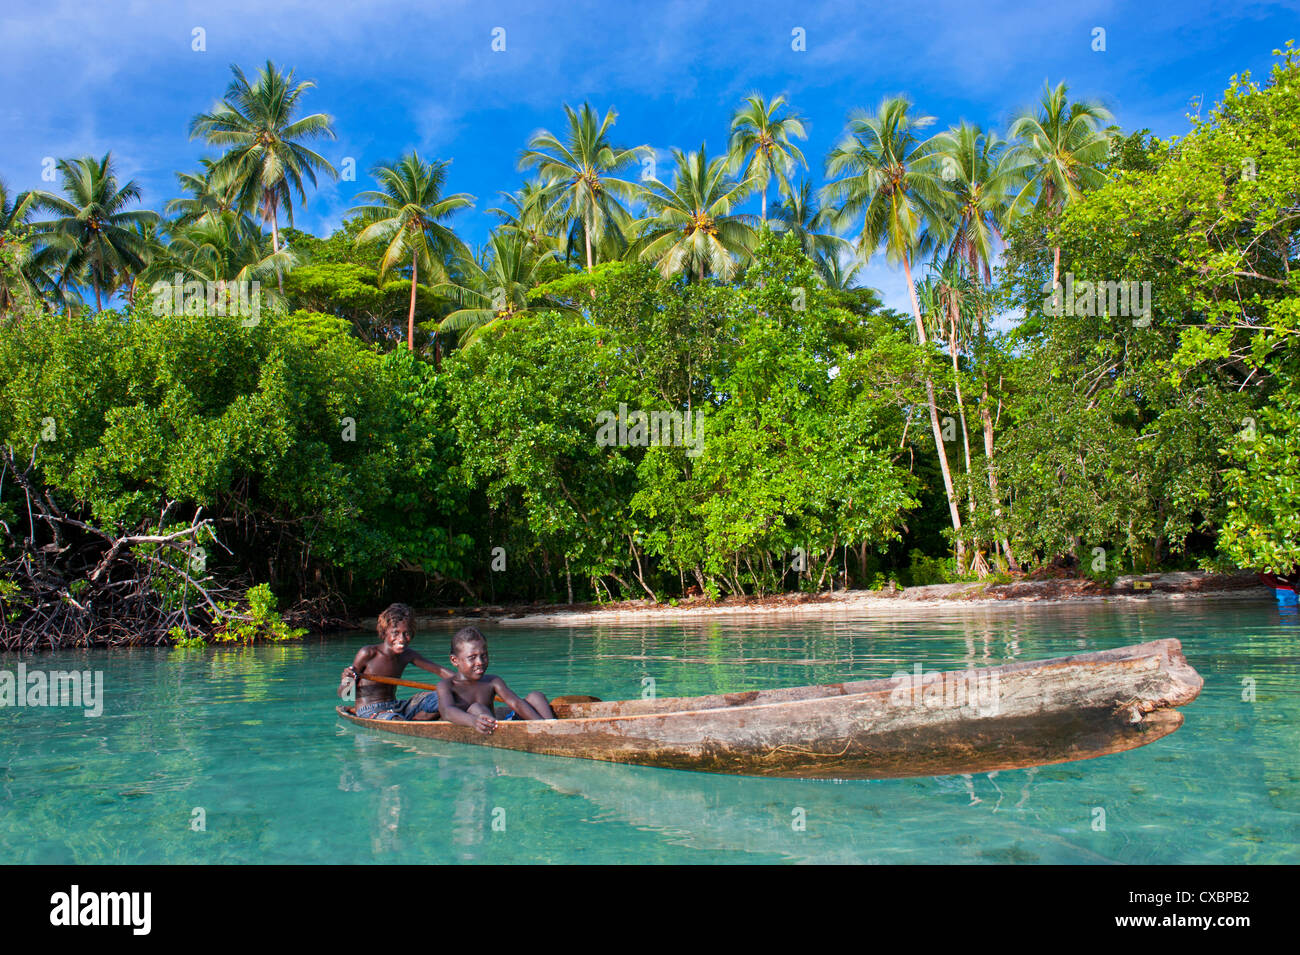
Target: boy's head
[
  {"x": 394, "y": 627},
  {"x": 469, "y": 653}
]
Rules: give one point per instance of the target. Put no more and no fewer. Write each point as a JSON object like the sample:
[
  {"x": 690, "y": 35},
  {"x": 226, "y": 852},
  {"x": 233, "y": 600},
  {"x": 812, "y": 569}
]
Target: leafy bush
[
  {"x": 923, "y": 571},
  {"x": 311, "y": 450},
  {"x": 258, "y": 621}
]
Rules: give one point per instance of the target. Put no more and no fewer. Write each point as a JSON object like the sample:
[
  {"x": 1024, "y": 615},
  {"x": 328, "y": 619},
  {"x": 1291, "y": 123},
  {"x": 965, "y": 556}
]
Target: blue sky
[{"x": 121, "y": 75}]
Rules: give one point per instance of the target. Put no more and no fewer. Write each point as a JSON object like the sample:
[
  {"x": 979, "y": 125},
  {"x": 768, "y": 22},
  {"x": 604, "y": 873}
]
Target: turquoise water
[{"x": 250, "y": 738}]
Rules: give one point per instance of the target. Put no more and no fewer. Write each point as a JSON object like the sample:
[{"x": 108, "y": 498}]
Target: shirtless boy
[
  {"x": 389, "y": 657},
  {"x": 467, "y": 695}
]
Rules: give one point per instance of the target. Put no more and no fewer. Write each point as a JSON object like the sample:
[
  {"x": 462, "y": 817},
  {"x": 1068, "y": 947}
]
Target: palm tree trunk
[
  {"x": 586, "y": 238},
  {"x": 1053, "y": 211},
  {"x": 953, "y": 513},
  {"x": 987, "y": 420},
  {"x": 765, "y": 205},
  {"x": 978, "y": 563},
  {"x": 961, "y": 405},
  {"x": 99, "y": 304},
  {"x": 410, "y": 316},
  {"x": 275, "y": 243}
]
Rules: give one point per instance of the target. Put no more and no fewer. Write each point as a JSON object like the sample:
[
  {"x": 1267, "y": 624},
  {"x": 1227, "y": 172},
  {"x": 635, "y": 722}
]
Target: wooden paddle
[{"x": 393, "y": 681}]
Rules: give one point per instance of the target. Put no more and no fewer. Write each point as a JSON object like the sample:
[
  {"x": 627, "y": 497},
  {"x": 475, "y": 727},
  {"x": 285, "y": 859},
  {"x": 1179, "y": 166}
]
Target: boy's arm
[
  {"x": 452, "y": 713},
  {"x": 353, "y": 672},
  {"x": 423, "y": 664},
  {"x": 511, "y": 699}
]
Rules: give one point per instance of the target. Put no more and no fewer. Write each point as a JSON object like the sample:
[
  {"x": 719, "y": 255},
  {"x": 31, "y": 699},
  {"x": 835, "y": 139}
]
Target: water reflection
[{"x": 842, "y": 822}]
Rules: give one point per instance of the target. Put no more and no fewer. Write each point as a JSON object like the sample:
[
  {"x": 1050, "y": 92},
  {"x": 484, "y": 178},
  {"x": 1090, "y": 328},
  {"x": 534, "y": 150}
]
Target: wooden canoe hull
[{"x": 1022, "y": 714}]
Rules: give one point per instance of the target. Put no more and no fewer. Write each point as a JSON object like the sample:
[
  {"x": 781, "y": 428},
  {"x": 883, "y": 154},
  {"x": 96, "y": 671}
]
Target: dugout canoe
[{"x": 1027, "y": 713}]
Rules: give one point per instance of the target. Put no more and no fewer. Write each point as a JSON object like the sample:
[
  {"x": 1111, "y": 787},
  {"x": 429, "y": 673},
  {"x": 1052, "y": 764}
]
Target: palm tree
[
  {"x": 211, "y": 192},
  {"x": 609, "y": 246},
  {"x": 35, "y": 258},
  {"x": 1059, "y": 151},
  {"x": 835, "y": 272},
  {"x": 884, "y": 173},
  {"x": 690, "y": 227},
  {"x": 979, "y": 185},
  {"x": 97, "y": 236},
  {"x": 526, "y": 215},
  {"x": 981, "y": 179},
  {"x": 947, "y": 298},
  {"x": 493, "y": 287},
  {"x": 154, "y": 255},
  {"x": 15, "y": 284},
  {"x": 219, "y": 250},
  {"x": 760, "y": 146},
  {"x": 407, "y": 216},
  {"x": 266, "y": 159},
  {"x": 799, "y": 213},
  {"x": 14, "y": 214},
  {"x": 580, "y": 175}
]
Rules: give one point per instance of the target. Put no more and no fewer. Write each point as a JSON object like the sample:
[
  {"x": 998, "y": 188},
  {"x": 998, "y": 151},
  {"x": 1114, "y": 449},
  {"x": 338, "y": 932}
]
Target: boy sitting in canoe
[
  {"x": 467, "y": 695},
  {"x": 389, "y": 657}
]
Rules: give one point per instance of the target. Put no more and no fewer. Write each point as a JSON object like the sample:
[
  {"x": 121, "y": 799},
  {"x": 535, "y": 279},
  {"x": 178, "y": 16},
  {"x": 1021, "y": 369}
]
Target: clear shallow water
[{"x": 250, "y": 737}]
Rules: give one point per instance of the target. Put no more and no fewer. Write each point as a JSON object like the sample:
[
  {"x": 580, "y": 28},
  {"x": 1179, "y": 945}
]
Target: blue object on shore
[{"x": 1286, "y": 598}]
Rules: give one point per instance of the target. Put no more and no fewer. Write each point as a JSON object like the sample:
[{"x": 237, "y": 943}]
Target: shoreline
[{"x": 940, "y": 598}]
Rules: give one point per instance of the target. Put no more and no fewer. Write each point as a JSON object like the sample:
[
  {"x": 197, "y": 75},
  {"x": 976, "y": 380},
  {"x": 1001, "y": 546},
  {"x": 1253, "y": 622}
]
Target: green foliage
[
  {"x": 330, "y": 466},
  {"x": 10, "y": 599},
  {"x": 690, "y": 228},
  {"x": 1262, "y": 527},
  {"x": 760, "y": 146},
  {"x": 528, "y": 399},
  {"x": 94, "y": 232},
  {"x": 374, "y": 312},
  {"x": 288, "y": 424},
  {"x": 1137, "y": 152},
  {"x": 581, "y": 172},
  {"x": 1100, "y": 568},
  {"x": 495, "y": 287},
  {"x": 1124, "y": 424},
  {"x": 258, "y": 621},
  {"x": 923, "y": 570},
  {"x": 405, "y": 215},
  {"x": 182, "y": 640},
  {"x": 798, "y": 423},
  {"x": 339, "y": 248},
  {"x": 795, "y": 451}
]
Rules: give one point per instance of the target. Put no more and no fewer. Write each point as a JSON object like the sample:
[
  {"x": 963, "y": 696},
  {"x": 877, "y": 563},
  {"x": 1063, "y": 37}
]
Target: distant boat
[
  {"x": 1284, "y": 587},
  {"x": 1027, "y": 713}
]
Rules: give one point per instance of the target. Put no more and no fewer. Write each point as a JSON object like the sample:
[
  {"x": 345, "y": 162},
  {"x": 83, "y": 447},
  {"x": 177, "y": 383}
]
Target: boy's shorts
[{"x": 425, "y": 702}]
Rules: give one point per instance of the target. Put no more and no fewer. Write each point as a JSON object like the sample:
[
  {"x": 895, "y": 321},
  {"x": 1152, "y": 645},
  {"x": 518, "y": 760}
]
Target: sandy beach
[{"x": 933, "y": 599}]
